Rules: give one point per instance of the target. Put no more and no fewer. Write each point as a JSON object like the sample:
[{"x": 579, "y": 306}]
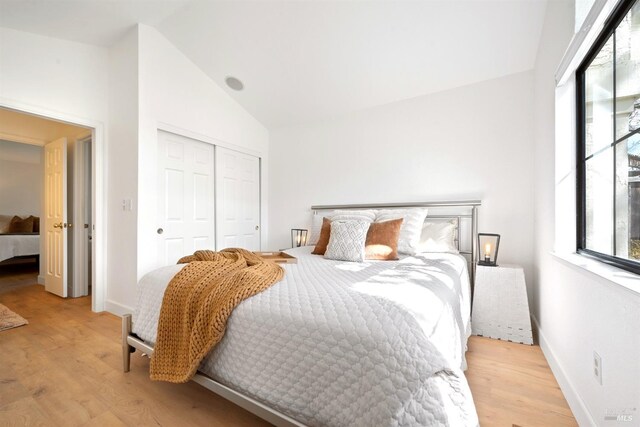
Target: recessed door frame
[
  {"x": 78, "y": 215},
  {"x": 98, "y": 206}
]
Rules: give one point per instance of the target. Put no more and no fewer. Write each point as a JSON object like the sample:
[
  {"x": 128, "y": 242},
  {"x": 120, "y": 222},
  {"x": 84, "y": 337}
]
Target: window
[{"x": 608, "y": 135}]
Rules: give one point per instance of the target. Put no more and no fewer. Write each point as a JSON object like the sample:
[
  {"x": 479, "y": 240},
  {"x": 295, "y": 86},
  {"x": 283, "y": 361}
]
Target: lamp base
[{"x": 487, "y": 263}]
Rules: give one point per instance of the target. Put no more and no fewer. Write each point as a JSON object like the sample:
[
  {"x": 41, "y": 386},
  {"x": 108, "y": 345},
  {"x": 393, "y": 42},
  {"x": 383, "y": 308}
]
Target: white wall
[
  {"x": 20, "y": 179},
  {"x": 127, "y": 92},
  {"x": 67, "y": 81},
  {"x": 52, "y": 74},
  {"x": 123, "y": 171},
  {"x": 474, "y": 142},
  {"x": 173, "y": 94},
  {"x": 577, "y": 312}
]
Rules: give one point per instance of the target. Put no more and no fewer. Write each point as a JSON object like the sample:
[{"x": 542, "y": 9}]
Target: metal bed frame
[{"x": 131, "y": 342}]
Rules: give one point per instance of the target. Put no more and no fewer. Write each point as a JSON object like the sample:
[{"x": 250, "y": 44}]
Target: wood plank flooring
[
  {"x": 17, "y": 274},
  {"x": 65, "y": 369},
  {"x": 512, "y": 385}
]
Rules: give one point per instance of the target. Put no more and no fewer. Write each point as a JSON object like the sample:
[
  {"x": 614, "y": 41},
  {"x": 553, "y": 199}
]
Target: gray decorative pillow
[{"x": 347, "y": 239}]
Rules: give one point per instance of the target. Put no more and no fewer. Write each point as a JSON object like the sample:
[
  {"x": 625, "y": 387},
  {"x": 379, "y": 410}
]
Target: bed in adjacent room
[
  {"x": 341, "y": 343},
  {"x": 18, "y": 245},
  {"x": 19, "y": 236}
]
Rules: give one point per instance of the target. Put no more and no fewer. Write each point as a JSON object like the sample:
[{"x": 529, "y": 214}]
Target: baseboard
[
  {"x": 577, "y": 405},
  {"x": 40, "y": 280},
  {"x": 117, "y": 308}
]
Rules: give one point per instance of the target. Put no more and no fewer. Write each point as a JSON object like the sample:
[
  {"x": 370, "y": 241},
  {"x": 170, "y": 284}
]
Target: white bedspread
[
  {"x": 18, "y": 245},
  {"x": 346, "y": 344}
]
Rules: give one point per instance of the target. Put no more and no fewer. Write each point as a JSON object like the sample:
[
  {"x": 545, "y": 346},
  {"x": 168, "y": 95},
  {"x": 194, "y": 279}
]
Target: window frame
[{"x": 612, "y": 22}]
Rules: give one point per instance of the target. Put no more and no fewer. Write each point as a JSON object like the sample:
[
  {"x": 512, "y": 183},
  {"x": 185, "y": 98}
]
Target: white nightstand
[{"x": 500, "y": 304}]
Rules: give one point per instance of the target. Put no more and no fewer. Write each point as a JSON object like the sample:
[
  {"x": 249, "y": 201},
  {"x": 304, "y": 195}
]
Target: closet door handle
[{"x": 160, "y": 231}]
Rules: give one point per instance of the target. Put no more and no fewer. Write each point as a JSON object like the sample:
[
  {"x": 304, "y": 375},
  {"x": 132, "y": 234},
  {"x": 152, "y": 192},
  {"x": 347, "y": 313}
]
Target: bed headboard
[{"x": 464, "y": 213}]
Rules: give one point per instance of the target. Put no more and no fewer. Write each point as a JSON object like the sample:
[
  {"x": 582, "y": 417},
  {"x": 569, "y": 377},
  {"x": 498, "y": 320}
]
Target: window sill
[{"x": 623, "y": 278}]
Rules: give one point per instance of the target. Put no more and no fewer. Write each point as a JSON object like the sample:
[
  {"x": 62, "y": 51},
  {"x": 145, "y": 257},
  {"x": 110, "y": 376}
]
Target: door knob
[
  {"x": 160, "y": 231},
  {"x": 59, "y": 225},
  {"x": 257, "y": 227}
]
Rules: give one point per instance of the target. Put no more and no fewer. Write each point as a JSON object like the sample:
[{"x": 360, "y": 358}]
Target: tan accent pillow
[
  {"x": 19, "y": 225},
  {"x": 382, "y": 240},
  {"x": 323, "y": 240}
]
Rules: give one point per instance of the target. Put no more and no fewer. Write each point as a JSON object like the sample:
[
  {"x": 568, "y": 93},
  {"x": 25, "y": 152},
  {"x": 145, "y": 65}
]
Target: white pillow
[
  {"x": 411, "y": 227},
  {"x": 438, "y": 236},
  {"x": 314, "y": 232},
  {"x": 347, "y": 239},
  {"x": 367, "y": 215}
]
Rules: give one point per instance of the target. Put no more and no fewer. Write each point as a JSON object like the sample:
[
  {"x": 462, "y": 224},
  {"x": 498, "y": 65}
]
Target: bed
[
  {"x": 18, "y": 245},
  {"x": 338, "y": 343}
]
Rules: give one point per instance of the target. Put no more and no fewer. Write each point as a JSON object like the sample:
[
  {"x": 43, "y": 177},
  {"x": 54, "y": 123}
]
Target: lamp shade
[
  {"x": 298, "y": 237},
  {"x": 488, "y": 245}
]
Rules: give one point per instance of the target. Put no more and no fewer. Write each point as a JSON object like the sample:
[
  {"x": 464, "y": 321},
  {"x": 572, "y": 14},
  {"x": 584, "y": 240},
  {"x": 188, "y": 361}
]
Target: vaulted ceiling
[{"x": 308, "y": 60}]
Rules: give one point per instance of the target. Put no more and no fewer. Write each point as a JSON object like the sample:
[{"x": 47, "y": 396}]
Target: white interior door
[
  {"x": 237, "y": 200},
  {"x": 185, "y": 197},
  {"x": 55, "y": 218}
]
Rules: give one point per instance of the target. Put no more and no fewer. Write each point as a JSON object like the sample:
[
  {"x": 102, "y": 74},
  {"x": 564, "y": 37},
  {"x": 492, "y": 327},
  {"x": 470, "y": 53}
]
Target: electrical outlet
[{"x": 597, "y": 367}]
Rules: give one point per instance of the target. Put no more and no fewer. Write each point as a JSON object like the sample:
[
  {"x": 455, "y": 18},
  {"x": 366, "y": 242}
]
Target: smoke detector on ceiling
[{"x": 234, "y": 83}]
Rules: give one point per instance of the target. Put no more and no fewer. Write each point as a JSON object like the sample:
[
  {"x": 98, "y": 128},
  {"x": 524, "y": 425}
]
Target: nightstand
[{"x": 500, "y": 304}]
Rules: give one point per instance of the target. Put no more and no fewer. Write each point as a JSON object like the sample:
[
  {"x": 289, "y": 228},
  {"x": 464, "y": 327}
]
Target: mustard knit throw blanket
[{"x": 197, "y": 304}]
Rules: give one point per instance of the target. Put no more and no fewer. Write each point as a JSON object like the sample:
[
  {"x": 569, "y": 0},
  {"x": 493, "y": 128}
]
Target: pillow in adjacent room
[
  {"x": 347, "y": 240},
  {"x": 5, "y": 220},
  {"x": 36, "y": 223},
  {"x": 382, "y": 240},
  {"x": 411, "y": 227},
  {"x": 19, "y": 225},
  {"x": 438, "y": 236},
  {"x": 323, "y": 240}
]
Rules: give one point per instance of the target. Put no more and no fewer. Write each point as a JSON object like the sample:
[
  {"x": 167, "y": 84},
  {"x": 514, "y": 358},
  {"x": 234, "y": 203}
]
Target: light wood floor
[
  {"x": 65, "y": 369},
  {"x": 19, "y": 273}
]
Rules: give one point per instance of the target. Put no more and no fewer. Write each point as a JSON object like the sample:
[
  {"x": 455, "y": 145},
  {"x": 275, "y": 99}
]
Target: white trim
[
  {"x": 99, "y": 192},
  {"x": 40, "y": 279},
  {"x": 22, "y": 139},
  {"x": 117, "y": 308},
  {"x": 584, "y": 38},
  {"x": 80, "y": 241},
  {"x": 577, "y": 405},
  {"x": 613, "y": 275},
  {"x": 166, "y": 127}
]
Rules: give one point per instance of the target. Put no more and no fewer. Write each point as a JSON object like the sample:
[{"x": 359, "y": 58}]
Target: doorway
[{"x": 66, "y": 198}]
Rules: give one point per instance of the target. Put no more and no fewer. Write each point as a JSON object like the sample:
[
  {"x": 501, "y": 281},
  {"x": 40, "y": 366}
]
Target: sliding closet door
[
  {"x": 237, "y": 200},
  {"x": 186, "y": 197}
]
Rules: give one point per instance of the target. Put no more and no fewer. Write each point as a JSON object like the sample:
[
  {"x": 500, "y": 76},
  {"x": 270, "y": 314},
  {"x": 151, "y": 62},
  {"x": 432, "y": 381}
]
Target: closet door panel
[
  {"x": 237, "y": 200},
  {"x": 186, "y": 197}
]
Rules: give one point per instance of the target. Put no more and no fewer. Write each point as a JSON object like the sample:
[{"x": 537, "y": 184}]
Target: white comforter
[
  {"x": 18, "y": 245},
  {"x": 346, "y": 344}
]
